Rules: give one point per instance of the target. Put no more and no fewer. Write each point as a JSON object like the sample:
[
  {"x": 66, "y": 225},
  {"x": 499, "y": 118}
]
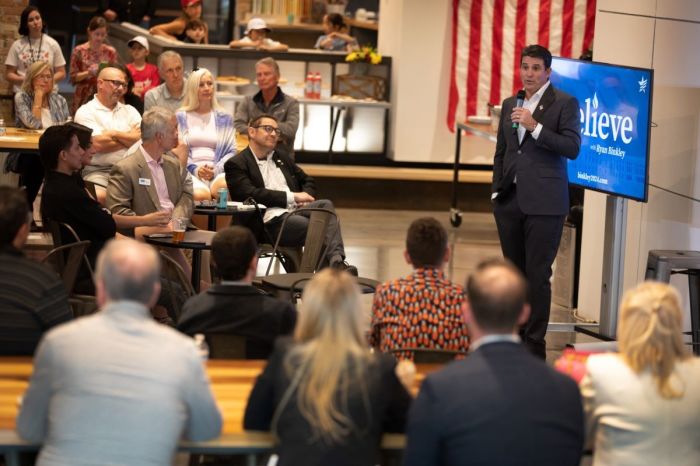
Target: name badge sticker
[{"x": 145, "y": 181}]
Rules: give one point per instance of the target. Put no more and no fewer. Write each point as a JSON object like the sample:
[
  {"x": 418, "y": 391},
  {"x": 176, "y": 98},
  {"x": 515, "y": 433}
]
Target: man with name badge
[{"x": 537, "y": 133}]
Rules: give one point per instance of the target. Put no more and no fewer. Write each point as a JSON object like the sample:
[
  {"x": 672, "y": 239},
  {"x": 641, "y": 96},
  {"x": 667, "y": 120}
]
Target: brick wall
[{"x": 9, "y": 12}]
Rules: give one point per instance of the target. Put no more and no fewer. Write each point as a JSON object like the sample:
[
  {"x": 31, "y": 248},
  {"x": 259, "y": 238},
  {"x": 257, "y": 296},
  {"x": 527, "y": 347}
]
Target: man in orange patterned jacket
[{"x": 423, "y": 310}]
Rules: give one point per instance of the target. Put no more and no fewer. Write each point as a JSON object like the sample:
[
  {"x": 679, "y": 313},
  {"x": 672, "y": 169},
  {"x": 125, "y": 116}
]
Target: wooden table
[
  {"x": 231, "y": 383},
  {"x": 19, "y": 139}
]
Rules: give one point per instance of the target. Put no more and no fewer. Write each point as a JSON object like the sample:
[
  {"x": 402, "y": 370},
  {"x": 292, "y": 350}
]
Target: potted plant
[{"x": 361, "y": 58}]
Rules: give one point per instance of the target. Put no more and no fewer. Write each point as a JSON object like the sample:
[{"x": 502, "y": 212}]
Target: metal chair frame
[{"x": 315, "y": 246}]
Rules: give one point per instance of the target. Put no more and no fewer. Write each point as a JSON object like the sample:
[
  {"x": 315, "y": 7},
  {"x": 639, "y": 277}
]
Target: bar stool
[{"x": 662, "y": 263}]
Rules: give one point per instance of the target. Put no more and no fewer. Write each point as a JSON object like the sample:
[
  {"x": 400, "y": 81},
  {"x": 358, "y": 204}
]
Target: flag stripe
[
  {"x": 496, "y": 50},
  {"x": 484, "y": 78},
  {"x": 567, "y": 30},
  {"x": 590, "y": 25},
  {"x": 454, "y": 93},
  {"x": 474, "y": 54},
  {"x": 509, "y": 18},
  {"x": 520, "y": 42},
  {"x": 545, "y": 10}
]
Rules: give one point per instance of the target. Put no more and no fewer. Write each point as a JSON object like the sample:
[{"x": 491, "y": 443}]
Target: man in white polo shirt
[{"x": 115, "y": 127}]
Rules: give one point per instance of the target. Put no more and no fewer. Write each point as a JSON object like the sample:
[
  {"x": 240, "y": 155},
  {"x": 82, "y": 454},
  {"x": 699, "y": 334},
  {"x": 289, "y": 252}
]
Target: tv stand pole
[{"x": 613, "y": 264}]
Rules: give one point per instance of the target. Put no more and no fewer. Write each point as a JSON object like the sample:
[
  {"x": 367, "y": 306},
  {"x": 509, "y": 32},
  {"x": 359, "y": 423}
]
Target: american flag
[{"x": 488, "y": 35}]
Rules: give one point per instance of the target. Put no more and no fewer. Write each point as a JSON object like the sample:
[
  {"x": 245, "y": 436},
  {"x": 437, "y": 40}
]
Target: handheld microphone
[{"x": 520, "y": 98}]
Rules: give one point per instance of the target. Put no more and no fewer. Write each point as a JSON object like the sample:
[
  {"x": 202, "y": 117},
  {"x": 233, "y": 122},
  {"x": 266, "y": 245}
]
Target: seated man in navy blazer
[
  {"x": 501, "y": 405},
  {"x": 235, "y": 306},
  {"x": 272, "y": 178}
]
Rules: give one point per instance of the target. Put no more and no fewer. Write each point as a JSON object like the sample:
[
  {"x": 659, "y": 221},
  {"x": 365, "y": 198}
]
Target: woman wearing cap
[
  {"x": 144, "y": 74},
  {"x": 86, "y": 59},
  {"x": 642, "y": 404},
  {"x": 256, "y": 38},
  {"x": 32, "y": 46},
  {"x": 175, "y": 29},
  {"x": 336, "y": 37},
  {"x": 207, "y": 131}
]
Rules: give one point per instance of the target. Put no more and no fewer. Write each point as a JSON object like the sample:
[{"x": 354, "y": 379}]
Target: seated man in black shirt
[
  {"x": 235, "y": 306},
  {"x": 64, "y": 197},
  {"x": 32, "y": 297}
]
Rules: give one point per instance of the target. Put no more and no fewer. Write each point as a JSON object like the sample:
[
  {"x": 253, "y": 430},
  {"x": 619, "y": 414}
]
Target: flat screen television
[{"x": 615, "y": 114}]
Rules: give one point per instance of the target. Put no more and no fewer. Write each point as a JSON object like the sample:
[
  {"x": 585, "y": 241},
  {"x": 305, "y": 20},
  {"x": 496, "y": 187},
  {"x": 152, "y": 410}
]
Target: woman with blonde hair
[
  {"x": 325, "y": 396},
  {"x": 37, "y": 106},
  {"x": 643, "y": 404},
  {"x": 207, "y": 133}
]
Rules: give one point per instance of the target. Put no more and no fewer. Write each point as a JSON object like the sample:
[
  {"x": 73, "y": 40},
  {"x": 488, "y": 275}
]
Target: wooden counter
[
  {"x": 19, "y": 139},
  {"x": 231, "y": 383}
]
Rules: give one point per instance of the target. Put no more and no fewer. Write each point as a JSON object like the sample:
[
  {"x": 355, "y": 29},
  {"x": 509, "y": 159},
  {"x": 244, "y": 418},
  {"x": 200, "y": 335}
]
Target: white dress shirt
[{"x": 274, "y": 180}]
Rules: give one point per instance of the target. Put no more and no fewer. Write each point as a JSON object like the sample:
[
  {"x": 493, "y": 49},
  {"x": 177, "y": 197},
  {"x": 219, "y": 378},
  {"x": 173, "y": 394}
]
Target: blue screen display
[{"x": 615, "y": 109}]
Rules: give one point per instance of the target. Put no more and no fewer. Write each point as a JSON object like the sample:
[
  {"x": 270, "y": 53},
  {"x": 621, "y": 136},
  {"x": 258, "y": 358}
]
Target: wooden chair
[
  {"x": 314, "y": 244},
  {"x": 284, "y": 286},
  {"x": 172, "y": 274},
  {"x": 429, "y": 355},
  {"x": 64, "y": 234},
  {"x": 67, "y": 267},
  {"x": 226, "y": 346},
  {"x": 289, "y": 258}
]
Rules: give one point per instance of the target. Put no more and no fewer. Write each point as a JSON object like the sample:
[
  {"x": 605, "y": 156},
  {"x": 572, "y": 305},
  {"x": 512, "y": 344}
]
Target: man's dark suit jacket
[
  {"x": 500, "y": 406},
  {"x": 540, "y": 165},
  {"x": 239, "y": 310},
  {"x": 244, "y": 179}
]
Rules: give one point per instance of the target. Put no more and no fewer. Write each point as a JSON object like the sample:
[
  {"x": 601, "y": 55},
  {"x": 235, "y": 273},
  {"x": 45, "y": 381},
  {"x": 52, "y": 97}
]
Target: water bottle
[
  {"x": 3, "y": 130},
  {"x": 202, "y": 346},
  {"x": 309, "y": 85},
  {"x": 317, "y": 85}
]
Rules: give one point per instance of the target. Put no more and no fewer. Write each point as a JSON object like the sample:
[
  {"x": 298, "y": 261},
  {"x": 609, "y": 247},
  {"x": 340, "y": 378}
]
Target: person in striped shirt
[{"x": 32, "y": 297}]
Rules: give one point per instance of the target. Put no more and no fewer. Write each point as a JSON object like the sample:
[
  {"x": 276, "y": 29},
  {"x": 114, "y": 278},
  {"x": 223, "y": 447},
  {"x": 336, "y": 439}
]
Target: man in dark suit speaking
[
  {"x": 538, "y": 131},
  {"x": 501, "y": 405}
]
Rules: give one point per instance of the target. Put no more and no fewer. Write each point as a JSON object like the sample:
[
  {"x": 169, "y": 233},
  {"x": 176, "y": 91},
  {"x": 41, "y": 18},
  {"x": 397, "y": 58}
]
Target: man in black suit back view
[
  {"x": 537, "y": 133},
  {"x": 501, "y": 405},
  {"x": 235, "y": 306}
]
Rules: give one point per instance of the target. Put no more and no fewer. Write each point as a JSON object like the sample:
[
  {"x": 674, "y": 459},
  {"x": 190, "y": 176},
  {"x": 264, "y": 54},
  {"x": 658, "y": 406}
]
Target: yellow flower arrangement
[{"x": 366, "y": 54}]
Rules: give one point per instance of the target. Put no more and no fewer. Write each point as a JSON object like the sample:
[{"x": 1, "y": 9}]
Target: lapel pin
[{"x": 541, "y": 107}]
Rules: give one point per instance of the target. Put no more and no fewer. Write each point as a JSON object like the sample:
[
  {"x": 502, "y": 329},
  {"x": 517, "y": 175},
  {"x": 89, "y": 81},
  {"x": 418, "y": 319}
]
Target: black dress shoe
[{"x": 343, "y": 265}]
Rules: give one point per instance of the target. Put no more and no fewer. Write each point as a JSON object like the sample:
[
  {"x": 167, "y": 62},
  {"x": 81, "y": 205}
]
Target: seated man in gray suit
[
  {"x": 150, "y": 180},
  {"x": 235, "y": 306},
  {"x": 116, "y": 387},
  {"x": 501, "y": 405}
]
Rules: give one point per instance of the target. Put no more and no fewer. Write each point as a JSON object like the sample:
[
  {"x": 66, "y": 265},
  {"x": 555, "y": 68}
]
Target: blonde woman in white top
[
  {"x": 643, "y": 405},
  {"x": 208, "y": 133}
]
